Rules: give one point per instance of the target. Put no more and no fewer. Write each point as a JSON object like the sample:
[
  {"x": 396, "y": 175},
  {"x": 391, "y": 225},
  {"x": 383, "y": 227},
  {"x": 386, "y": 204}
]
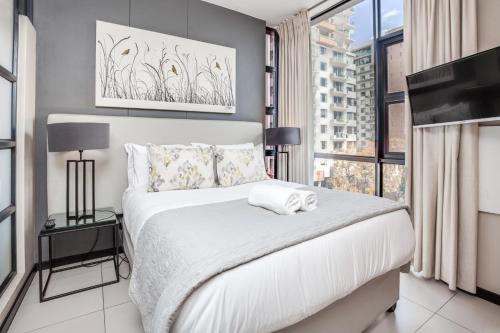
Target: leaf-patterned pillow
[
  {"x": 180, "y": 168},
  {"x": 240, "y": 166}
]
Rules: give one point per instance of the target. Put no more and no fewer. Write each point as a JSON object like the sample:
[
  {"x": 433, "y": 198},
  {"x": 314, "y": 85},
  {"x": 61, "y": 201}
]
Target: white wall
[{"x": 488, "y": 276}]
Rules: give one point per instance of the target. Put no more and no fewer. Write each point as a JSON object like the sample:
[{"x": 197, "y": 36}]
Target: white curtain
[
  {"x": 294, "y": 93},
  {"x": 442, "y": 170}
]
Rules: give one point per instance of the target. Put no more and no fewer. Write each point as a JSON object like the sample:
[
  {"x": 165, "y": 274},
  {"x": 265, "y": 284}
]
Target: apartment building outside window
[{"x": 367, "y": 150}]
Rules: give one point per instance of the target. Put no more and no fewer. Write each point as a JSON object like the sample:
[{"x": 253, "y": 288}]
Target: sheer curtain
[
  {"x": 294, "y": 94},
  {"x": 442, "y": 177}
]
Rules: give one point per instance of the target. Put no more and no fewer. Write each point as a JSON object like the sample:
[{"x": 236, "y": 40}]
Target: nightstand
[{"x": 104, "y": 218}]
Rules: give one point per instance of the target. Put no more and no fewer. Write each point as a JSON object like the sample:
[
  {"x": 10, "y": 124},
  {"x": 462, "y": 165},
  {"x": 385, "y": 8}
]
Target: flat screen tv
[{"x": 461, "y": 91}]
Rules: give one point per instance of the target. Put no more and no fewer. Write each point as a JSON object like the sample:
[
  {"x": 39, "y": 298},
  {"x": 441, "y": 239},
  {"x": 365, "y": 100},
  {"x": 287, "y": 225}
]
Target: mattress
[{"x": 285, "y": 287}]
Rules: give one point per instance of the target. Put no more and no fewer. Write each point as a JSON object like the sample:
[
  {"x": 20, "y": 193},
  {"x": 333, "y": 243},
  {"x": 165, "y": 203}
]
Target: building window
[
  {"x": 323, "y": 98},
  {"x": 322, "y": 82},
  {"x": 323, "y": 129},
  {"x": 323, "y": 113},
  {"x": 368, "y": 133},
  {"x": 322, "y": 50},
  {"x": 322, "y": 66},
  {"x": 323, "y": 145}
]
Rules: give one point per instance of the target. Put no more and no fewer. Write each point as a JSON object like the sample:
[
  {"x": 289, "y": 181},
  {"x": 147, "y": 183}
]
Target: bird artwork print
[{"x": 165, "y": 72}]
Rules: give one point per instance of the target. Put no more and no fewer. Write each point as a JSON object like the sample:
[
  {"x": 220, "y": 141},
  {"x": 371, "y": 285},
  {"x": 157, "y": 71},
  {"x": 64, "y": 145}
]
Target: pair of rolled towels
[{"x": 282, "y": 200}]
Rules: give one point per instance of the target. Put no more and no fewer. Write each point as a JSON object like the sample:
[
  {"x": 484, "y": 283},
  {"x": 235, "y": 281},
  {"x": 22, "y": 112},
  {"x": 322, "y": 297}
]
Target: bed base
[
  {"x": 352, "y": 314},
  {"x": 355, "y": 312}
]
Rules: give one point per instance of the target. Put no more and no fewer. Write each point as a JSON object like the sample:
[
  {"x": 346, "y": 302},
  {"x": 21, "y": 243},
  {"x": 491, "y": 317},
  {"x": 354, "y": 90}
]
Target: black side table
[{"x": 104, "y": 218}]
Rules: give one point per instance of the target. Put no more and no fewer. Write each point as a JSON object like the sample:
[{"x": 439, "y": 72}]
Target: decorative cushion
[
  {"x": 173, "y": 168},
  {"x": 240, "y": 166},
  {"x": 138, "y": 165}
]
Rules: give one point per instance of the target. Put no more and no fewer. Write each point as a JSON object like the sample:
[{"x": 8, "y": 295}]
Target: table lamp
[
  {"x": 64, "y": 137},
  {"x": 282, "y": 136}
]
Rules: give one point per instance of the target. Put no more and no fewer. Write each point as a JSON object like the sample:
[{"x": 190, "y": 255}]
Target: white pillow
[
  {"x": 180, "y": 168},
  {"x": 138, "y": 165},
  {"x": 240, "y": 166}
]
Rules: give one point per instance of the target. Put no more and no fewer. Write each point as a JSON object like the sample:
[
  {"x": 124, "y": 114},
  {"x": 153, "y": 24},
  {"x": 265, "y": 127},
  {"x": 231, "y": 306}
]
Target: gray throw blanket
[{"x": 179, "y": 250}]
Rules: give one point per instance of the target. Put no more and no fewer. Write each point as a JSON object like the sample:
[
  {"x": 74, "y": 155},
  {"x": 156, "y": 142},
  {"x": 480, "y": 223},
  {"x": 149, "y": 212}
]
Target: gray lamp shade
[
  {"x": 283, "y": 136},
  {"x": 77, "y": 136}
]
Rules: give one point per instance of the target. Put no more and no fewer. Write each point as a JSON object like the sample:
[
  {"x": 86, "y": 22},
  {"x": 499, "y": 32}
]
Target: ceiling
[{"x": 271, "y": 11}]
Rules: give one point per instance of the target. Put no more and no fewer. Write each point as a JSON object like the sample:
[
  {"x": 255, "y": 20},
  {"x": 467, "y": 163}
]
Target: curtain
[
  {"x": 294, "y": 93},
  {"x": 442, "y": 169}
]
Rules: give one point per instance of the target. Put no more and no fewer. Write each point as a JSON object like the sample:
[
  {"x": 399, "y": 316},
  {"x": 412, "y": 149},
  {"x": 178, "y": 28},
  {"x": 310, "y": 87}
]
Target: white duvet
[{"x": 285, "y": 287}]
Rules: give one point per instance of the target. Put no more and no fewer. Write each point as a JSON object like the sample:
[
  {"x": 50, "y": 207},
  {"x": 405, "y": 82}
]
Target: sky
[{"x": 391, "y": 17}]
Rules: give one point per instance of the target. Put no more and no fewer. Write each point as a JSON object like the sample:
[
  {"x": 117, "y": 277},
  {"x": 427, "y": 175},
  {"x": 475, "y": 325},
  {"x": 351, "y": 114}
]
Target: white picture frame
[{"x": 142, "y": 69}]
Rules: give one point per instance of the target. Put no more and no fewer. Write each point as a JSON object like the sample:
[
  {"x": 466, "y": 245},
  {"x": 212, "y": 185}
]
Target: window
[
  {"x": 322, "y": 82},
  {"x": 367, "y": 150},
  {"x": 323, "y": 129},
  {"x": 337, "y": 115},
  {"x": 391, "y": 13},
  {"x": 322, "y": 66},
  {"x": 338, "y": 56},
  {"x": 339, "y": 72},
  {"x": 323, "y": 113},
  {"x": 322, "y": 50},
  {"x": 323, "y": 145},
  {"x": 7, "y": 142},
  {"x": 323, "y": 98}
]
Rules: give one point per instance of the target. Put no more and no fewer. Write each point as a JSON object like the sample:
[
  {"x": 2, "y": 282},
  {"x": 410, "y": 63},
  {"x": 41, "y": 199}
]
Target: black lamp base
[
  {"x": 287, "y": 163},
  {"x": 83, "y": 214}
]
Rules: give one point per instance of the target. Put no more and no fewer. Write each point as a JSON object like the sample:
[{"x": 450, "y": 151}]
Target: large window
[
  {"x": 361, "y": 46},
  {"x": 8, "y": 24}
]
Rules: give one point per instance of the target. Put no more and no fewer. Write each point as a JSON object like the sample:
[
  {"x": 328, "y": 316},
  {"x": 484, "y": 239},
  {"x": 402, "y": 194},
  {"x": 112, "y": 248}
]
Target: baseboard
[
  {"x": 488, "y": 295},
  {"x": 4, "y": 327},
  {"x": 79, "y": 257}
]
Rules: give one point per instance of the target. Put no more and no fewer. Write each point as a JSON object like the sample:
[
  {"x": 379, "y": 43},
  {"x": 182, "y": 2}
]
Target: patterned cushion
[
  {"x": 174, "y": 168},
  {"x": 240, "y": 166}
]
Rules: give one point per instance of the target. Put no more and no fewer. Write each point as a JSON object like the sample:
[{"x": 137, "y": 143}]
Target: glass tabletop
[{"x": 103, "y": 216}]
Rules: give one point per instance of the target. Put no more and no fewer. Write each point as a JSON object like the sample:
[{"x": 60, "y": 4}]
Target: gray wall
[{"x": 66, "y": 60}]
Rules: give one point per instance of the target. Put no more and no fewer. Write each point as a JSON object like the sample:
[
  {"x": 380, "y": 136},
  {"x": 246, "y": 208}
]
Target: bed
[{"x": 338, "y": 282}]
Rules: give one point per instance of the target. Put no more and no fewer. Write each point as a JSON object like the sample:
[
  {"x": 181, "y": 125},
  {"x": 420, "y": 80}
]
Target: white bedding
[{"x": 285, "y": 287}]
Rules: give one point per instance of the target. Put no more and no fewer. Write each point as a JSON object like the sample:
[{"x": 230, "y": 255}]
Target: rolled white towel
[
  {"x": 279, "y": 199},
  {"x": 308, "y": 200}
]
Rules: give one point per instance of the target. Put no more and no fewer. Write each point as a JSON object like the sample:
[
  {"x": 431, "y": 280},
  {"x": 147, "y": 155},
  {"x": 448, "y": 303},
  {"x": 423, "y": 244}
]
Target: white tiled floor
[{"x": 424, "y": 306}]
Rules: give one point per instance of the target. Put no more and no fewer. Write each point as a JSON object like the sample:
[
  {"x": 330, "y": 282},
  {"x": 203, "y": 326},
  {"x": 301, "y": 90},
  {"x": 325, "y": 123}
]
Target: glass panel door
[
  {"x": 8, "y": 12},
  {"x": 6, "y": 33}
]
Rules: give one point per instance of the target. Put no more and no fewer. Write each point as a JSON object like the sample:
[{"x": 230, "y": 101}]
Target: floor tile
[
  {"x": 117, "y": 293},
  {"x": 64, "y": 284},
  {"x": 33, "y": 315},
  {"x": 472, "y": 312},
  {"x": 92, "y": 322},
  {"x": 123, "y": 318},
  {"x": 438, "y": 324},
  {"x": 408, "y": 317},
  {"x": 429, "y": 293}
]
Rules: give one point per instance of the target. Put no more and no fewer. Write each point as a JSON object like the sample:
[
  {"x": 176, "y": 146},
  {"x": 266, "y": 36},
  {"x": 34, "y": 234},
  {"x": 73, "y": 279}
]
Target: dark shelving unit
[{"x": 271, "y": 108}]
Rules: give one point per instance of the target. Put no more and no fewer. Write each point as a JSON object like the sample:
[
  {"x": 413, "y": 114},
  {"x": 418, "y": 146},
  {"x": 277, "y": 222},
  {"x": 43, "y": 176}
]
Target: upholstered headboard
[{"x": 111, "y": 164}]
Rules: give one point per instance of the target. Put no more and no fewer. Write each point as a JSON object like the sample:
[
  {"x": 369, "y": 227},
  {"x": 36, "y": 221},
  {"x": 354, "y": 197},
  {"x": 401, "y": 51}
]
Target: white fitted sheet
[{"x": 287, "y": 286}]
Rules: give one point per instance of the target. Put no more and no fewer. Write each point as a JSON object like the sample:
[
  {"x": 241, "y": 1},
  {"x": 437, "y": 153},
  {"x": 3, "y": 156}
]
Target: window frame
[
  {"x": 382, "y": 98},
  {"x": 10, "y": 144}
]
